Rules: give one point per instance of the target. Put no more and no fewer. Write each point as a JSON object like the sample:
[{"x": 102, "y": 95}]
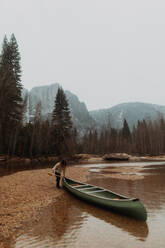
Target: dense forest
[{"x": 58, "y": 136}]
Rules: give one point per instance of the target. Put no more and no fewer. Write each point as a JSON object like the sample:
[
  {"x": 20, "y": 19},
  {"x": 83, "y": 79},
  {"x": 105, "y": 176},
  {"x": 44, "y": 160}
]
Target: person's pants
[{"x": 58, "y": 179}]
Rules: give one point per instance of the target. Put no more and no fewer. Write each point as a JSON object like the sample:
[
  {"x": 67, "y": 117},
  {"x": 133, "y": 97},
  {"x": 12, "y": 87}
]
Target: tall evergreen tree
[
  {"x": 126, "y": 131},
  {"x": 10, "y": 94},
  {"x": 62, "y": 125}
]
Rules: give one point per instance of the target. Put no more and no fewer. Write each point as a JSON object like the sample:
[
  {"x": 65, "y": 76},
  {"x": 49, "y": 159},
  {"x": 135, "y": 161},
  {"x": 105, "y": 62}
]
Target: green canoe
[{"x": 107, "y": 199}]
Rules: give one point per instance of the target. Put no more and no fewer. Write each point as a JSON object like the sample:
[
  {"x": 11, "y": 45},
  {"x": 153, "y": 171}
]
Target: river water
[{"x": 69, "y": 222}]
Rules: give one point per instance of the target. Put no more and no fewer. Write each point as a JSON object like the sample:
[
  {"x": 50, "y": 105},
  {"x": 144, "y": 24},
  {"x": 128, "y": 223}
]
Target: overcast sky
[{"x": 104, "y": 51}]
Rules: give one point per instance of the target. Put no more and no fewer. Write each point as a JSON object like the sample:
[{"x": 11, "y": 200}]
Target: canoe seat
[
  {"x": 96, "y": 191},
  {"x": 86, "y": 188},
  {"x": 79, "y": 186}
]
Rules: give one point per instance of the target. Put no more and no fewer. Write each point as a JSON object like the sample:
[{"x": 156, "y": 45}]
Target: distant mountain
[
  {"x": 46, "y": 95},
  {"x": 84, "y": 120},
  {"x": 132, "y": 112}
]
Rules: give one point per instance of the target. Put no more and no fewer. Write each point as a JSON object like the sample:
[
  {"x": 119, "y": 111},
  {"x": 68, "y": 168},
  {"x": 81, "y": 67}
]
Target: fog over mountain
[
  {"x": 132, "y": 112},
  {"x": 84, "y": 119},
  {"x": 46, "y": 95}
]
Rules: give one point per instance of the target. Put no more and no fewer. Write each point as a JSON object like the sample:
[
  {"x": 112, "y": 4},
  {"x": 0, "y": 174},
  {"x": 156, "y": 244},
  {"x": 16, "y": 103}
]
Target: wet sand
[{"x": 24, "y": 193}]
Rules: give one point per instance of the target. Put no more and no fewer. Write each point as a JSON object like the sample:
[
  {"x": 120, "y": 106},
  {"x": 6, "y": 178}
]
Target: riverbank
[
  {"x": 24, "y": 193},
  {"x": 77, "y": 159}
]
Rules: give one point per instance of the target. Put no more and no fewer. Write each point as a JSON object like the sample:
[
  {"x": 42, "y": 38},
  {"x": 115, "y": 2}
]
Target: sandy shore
[{"x": 22, "y": 194}]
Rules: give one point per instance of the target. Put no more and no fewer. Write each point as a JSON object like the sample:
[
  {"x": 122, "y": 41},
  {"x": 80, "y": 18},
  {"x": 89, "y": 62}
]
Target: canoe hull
[{"x": 130, "y": 207}]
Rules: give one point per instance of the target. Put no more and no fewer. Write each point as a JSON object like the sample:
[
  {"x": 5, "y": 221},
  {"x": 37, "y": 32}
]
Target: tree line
[
  {"x": 146, "y": 138},
  {"x": 58, "y": 136}
]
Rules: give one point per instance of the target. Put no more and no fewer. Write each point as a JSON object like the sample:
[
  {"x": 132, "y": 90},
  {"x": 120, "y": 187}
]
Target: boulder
[{"x": 116, "y": 156}]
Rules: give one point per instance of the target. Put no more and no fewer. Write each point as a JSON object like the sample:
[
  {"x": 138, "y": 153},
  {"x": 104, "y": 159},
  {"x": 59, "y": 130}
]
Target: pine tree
[
  {"x": 5, "y": 78},
  {"x": 16, "y": 73},
  {"x": 62, "y": 125},
  {"x": 2, "y": 117},
  {"x": 126, "y": 131},
  {"x": 10, "y": 94}
]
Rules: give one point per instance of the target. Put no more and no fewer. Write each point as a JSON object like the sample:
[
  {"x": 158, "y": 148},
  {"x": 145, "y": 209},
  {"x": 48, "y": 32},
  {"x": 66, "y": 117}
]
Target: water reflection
[
  {"x": 58, "y": 225},
  {"x": 69, "y": 222},
  {"x": 136, "y": 228},
  {"x": 8, "y": 169},
  {"x": 63, "y": 223}
]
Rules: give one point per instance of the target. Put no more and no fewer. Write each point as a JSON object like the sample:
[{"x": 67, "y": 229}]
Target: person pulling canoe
[{"x": 59, "y": 169}]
